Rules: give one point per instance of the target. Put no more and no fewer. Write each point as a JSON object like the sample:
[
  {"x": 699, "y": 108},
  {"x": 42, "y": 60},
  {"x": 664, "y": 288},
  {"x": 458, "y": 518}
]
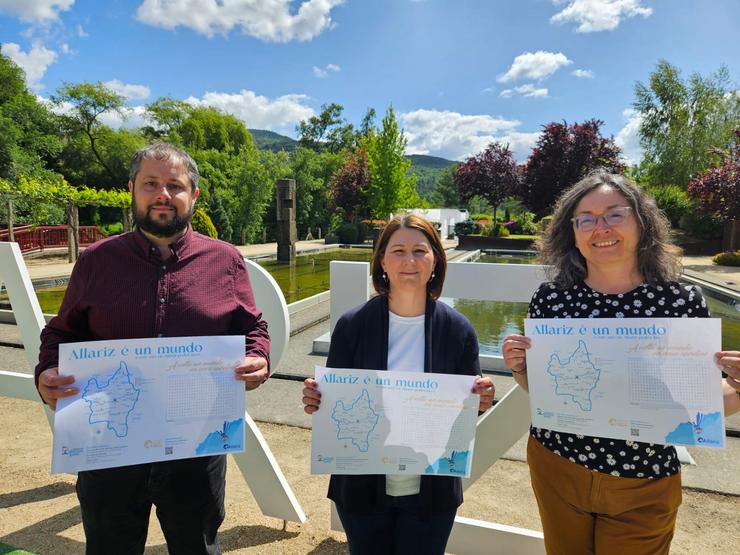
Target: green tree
[
  {"x": 312, "y": 172},
  {"x": 210, "y": 129},
  {"x": 390, "y": 186},
  {"x": 328, "y": 131},
  {"x": 167, "y": 114},
  {"x": 220, "y": 217},
  {"x": 445, "y": 193},
  {"x": 682, "y": 121},
  {"x": 28, "y": 130},
  {"x": 84, "y": 104}
]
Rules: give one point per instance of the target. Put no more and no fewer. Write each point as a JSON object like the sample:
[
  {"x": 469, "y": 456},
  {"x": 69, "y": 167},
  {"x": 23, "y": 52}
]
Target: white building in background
[{"x": 446, "y": 217}]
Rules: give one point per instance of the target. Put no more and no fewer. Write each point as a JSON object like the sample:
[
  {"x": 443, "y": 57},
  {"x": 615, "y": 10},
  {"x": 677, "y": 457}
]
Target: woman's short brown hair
[{"x": 410, "y": 221}]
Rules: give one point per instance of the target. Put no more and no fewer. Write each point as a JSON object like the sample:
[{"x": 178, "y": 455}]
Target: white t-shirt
[{"x": 405, "y": 353}]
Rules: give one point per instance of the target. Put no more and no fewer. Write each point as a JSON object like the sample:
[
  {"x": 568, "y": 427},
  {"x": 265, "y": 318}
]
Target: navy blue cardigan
[{"x": 360, "y": 340}]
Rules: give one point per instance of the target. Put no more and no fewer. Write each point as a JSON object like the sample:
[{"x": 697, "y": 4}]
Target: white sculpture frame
[{"x": 257, "y": 464}]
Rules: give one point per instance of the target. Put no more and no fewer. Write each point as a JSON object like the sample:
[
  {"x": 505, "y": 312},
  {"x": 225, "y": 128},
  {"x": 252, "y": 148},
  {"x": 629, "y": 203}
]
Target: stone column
[{"x": 286, "y": 230}]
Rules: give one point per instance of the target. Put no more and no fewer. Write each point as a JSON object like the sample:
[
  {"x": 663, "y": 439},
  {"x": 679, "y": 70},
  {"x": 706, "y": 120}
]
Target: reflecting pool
[
  {"x": 308, "y": 276},
  {"x": 494, "y": 320}
]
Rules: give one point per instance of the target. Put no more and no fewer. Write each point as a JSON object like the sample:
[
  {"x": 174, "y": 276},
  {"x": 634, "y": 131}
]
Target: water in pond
[
  {"x": 310, "y": 273},
  {"x": 308, "y": 276},
  {"x": 494, "y": 320}
]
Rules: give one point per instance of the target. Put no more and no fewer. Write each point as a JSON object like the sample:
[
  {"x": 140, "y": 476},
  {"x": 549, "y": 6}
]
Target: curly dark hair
[
  {"x": 410, "y": 221},
  {"x": 657, "y": 257}
]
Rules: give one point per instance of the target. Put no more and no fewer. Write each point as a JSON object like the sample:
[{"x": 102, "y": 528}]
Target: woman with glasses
[
  {"x": 404, "y": 328},
  {"x": 610, "y": 256}
]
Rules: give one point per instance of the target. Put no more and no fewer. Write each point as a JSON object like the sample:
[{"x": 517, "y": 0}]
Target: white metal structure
[{"x": 257, "y": 464}]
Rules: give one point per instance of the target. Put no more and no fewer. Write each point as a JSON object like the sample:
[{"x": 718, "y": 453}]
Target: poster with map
[
  {"x": 384, "y": 422},
  {"x": 147, "y": 400},
  {"x": 641, "y": 379}
]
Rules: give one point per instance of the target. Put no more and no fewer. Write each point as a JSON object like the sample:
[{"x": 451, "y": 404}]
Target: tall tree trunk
[{"x": 11, "y": 235}]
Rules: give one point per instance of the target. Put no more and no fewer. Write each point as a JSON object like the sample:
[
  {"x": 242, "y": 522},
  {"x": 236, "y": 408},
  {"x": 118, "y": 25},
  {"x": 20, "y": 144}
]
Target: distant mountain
[
  {"x": 269, "y": 140},
  {"x": 427, "y": 170},
  {"x": 430, "y": 161}
]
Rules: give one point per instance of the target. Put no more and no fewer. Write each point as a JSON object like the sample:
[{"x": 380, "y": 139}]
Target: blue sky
[{"x": 459, "y": 73}]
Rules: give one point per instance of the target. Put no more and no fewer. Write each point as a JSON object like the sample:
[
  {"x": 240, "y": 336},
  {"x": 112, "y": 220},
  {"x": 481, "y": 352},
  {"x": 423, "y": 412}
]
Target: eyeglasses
[{"x": 613, "y": 217}]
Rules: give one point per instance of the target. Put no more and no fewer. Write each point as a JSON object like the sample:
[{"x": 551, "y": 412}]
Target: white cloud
[
  {"x": 628, "y": 138},
  {"x": 258, "y": 112},
  {"x": 583, "y": 73},
  {"x": 268, "y": 20},
  {"x": 488, "y": 90},
  {"x": 130, "y": 91},
  {"x": 323, "y": 73},
  {"x": 599, "y": 15},
  {"x": 80, "y": 31},
  {"x": 35, "y": 10},
  {"x": 528, "y": 91},
  {"x": 133, "y": 117},
  {"x": 537, "y": 66},
  {"x": 34, "y": 62},
  {"x": 65, "y": 49},
  {"x": 457, "y": 136}
]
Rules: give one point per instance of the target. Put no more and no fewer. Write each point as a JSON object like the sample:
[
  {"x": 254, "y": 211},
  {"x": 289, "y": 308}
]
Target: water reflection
[{"x": 495, "y": 320}]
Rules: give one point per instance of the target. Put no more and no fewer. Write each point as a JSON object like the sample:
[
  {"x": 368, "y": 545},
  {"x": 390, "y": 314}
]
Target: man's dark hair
[{"x": 164, "y": 151}]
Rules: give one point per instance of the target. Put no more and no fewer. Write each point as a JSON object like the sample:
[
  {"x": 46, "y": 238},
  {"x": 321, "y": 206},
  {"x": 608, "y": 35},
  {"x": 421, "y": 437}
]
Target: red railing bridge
[{"x": 38, "y": 238}]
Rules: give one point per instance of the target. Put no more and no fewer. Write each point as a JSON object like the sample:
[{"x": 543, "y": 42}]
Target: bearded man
[{"x": 161, "y": 280}]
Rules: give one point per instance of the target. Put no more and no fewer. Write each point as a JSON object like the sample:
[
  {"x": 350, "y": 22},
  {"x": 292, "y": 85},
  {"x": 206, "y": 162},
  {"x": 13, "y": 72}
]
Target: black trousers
[{"x": 188, "y": 495}]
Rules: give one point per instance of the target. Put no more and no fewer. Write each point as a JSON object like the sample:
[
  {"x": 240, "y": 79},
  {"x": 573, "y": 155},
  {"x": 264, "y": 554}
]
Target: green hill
[
  {"x": 269, "y": 140},
  {"x": 427, "y": 170}
]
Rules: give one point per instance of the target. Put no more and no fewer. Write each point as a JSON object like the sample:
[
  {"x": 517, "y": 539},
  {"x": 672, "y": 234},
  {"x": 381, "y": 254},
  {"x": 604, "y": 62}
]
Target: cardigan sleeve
[{"x": 340, "y": 352}]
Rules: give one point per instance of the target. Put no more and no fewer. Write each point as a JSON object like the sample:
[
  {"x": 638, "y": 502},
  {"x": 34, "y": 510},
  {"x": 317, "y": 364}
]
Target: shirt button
[{"x": 161, "y": 301}]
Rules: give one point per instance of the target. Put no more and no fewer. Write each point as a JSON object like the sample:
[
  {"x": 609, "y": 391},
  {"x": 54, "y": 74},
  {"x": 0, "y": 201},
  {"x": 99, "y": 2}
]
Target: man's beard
[{"x": 165, "y": 229}]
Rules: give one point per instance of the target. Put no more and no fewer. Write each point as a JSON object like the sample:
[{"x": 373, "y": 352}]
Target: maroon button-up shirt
[{"x": 121, "y": 288}]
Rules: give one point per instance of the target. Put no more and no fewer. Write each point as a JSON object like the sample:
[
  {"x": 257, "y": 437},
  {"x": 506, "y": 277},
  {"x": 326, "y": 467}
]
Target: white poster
[
  {"x": 147, "y": 400},
  {"x": 384, "y": 422},
  {"x": 641, "y": 379}
]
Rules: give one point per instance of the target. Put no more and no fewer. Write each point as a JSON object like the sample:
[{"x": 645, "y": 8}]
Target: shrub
[
  {"x": 672, "y": 200},
  {"x": 727, "y": 258},
  {"x": 347, "y": 234},
  {"x": 512, "y": 226},
  {"x": 468, "y": 227},
  {"x": 702, "y": 226},
  {"x": 480, "y": 218},
  {"x": 498, "y": 230},
  {"x": 202, "y": 224},
  {"x": 111, "y": 229},
  {"x": 526, "y": 226}
]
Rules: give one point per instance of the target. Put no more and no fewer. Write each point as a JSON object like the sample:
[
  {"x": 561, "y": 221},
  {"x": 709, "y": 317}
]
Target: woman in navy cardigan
[{"x": 403, "y": 328}]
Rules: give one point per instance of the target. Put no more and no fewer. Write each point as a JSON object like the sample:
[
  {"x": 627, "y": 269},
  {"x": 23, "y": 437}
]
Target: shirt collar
[{"x": 178, "y": 248}]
